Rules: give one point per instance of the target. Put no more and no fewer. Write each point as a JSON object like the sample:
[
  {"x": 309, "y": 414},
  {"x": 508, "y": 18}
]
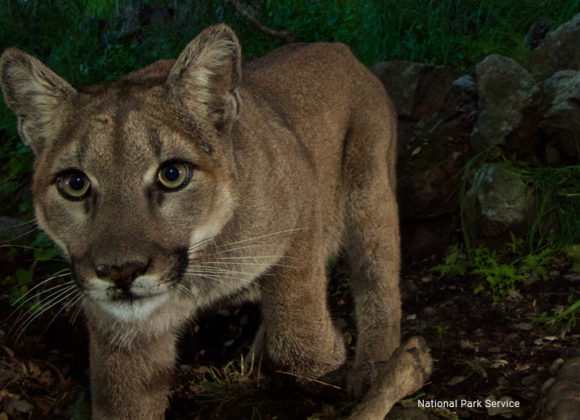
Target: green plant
[
  {"x": 500, "y": 277},
  {"x": 441, "y": 330},
  {"x": 455, "y": 263},
  {"x": 565, "y": 315},
  {"x": 500, "y": 271}
]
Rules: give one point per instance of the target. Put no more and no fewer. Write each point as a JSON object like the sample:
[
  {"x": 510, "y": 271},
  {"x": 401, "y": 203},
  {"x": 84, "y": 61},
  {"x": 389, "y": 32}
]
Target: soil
[{"x": 482, "y": 349}]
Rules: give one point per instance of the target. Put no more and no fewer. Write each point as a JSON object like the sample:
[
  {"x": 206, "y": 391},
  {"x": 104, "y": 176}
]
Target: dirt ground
[{"x": 482, "y": 350}]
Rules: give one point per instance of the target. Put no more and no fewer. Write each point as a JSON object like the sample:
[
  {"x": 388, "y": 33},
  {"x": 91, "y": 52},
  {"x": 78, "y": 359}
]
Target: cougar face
[{"x": 128, "y": 194}]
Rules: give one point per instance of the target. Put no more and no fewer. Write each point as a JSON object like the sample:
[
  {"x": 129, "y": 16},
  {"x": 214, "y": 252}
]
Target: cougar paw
[
  {"x": 421, "y": 364},
  {"x": 404, "y": 373},
  {"x": 411, "y": 363}
]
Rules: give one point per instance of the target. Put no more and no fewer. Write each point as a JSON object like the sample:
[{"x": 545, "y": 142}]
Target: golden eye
[
  {"x": 173, "y": 176},
  {"x": 73, "y": 185}
]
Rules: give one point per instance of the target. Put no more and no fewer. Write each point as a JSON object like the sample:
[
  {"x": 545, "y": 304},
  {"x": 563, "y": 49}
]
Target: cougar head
[{"x": 132, "y": 175}]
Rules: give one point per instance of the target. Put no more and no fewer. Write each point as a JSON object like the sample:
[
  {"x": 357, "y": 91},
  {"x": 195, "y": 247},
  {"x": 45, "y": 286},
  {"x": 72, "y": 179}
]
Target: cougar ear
[
  {"x": 205, "y": 76},
  {"x": 38, "y": 97}
]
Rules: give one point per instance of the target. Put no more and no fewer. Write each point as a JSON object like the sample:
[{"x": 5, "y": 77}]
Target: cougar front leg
[
  {"x": 133, "y": 381},
  {"x": 297, "y": 331}
]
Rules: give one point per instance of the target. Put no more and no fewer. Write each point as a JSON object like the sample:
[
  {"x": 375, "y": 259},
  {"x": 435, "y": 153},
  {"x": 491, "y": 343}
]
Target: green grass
[{"x": 81, "y": 40}]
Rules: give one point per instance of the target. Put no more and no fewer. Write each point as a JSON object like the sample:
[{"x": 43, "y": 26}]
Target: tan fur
[{"x": 289, "y": 165}]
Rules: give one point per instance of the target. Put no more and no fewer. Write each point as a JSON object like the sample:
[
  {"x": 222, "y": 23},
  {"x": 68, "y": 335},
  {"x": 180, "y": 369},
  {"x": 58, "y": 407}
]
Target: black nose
[{"x": 122, "y": 275}]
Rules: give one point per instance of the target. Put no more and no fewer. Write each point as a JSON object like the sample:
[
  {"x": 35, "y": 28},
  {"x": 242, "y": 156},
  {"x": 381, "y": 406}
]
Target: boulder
[
  {"x": 559, "y": 50},
  {"x": 505, "y": 90},
  {"x": 538, "y": 32},
  {"x": 418, "y": 90},
  {"x": 432, "y": 154},
  {"x": 561, "y": 121},
  {"x": 498, "y": 202},
  {"x": 563, "y": 399},
  {"x": 429, "y": 177},
  {"x": 424, "y": 238}
]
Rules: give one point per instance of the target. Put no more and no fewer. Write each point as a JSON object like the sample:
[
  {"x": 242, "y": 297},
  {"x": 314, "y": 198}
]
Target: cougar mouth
[
  {"x": 136, "y": 301},
  {"x": 117, "y": 294}
]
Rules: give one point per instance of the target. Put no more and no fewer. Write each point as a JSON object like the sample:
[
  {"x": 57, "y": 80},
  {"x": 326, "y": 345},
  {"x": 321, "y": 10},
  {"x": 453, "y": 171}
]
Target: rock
[
  {"x": 561, "y": 122},
  {"x": 538, "y": 32},
  {"x": 429, "y": 177},
  {"x": 130, "y": 20},
  {"x": 559, "y": 49},
  {"x": 505, "y": 90},
  {"x": 563, "y": 399},
  {"x": 498, "y": 202},
  {"x": 556, "y": 365},
  {"x": 418, "y": 90},
  {"x": 530, "y": 380},
  {"x": 425, "y": 238},
  {"x": 432, "y": 154}
]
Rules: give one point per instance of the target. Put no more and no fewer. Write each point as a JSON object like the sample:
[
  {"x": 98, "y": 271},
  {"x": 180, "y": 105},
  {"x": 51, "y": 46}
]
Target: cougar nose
[{"x": 122, "y": 275}]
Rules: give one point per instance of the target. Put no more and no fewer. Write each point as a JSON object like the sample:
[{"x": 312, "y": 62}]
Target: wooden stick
[{"x": 287, "y": 36}]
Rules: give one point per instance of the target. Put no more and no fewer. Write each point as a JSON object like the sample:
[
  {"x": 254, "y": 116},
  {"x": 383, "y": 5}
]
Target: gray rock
[
  {"x": 465, "y": 82},
  {"x": 505, "y": 89},
  {"x": 432, "y": 154},
  {"x": 429, "y": 180},
  {"x": 561, "y": 122},
  {"x": 417, "y": 89},
  {"x": 563, "y": 85},
  {"x": 538, "y": 32},
  {"x": 498, "y": 202},
  {"x": 425, "y": 238},
  {"x": 559, "y": 49},
  {"x": 563, "y": 399}
]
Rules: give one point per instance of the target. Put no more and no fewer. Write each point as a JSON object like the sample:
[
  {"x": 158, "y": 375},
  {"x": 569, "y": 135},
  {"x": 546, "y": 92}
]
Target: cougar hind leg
[
  {"x": 391, "y": 370},
  {"x": 372, "y": 243}
]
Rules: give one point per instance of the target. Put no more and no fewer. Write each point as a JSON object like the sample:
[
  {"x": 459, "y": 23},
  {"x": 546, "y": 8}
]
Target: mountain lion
[{"x": 183, "y": 185}]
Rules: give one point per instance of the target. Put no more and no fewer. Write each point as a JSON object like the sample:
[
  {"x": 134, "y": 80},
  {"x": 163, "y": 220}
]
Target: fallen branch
[{"x": 287, "y": 36}]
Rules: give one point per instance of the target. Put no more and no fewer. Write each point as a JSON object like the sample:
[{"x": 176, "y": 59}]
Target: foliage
[
  {"x": 455, "y": 263},
  {"x": 560, "y": 208},
  {"x": 556, "y": 230},
  {"x": 567, "y": 315},
  {"x": 557, "y": 222},
  {"x": 499, "y": 271}
]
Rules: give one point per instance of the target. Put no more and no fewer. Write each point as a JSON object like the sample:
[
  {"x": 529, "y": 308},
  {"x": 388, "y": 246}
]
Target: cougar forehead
[
  {"x": 119, "y": 141},
  {"x": 124, "y": 126}
]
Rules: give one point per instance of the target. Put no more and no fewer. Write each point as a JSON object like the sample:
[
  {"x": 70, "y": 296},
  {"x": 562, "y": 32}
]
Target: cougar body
[{"x": 186, "y": 183}]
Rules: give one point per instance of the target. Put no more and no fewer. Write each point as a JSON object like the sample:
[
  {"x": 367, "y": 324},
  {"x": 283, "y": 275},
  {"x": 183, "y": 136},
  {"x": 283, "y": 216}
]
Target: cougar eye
[
  {"x": 73, "y": 185},
  {"x": 173, "y": 176}
]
